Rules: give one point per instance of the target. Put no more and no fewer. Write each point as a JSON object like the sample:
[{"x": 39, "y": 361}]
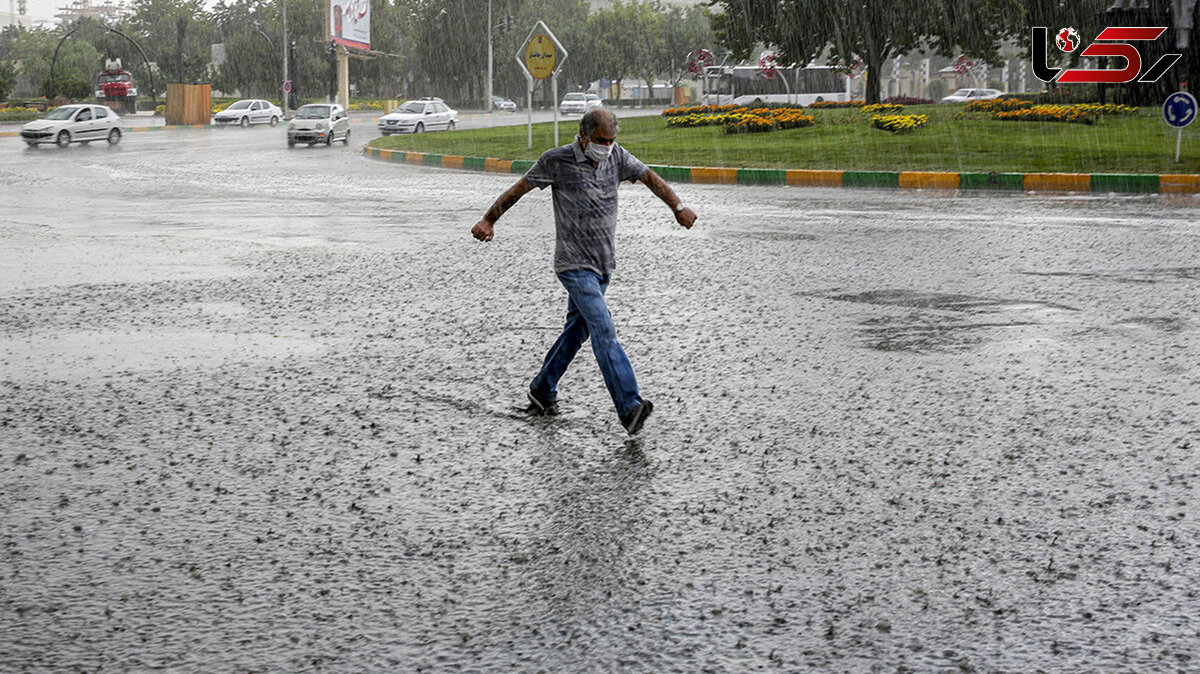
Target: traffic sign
[
  {"x": 540, "y": 56},
  {"x": 287, "y": 87},
  {"x": 1179, "y": 109}
]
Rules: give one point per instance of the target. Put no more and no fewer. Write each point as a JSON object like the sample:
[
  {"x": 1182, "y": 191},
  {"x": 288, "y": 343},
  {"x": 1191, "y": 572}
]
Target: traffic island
[{"x": 940, "y": 180}]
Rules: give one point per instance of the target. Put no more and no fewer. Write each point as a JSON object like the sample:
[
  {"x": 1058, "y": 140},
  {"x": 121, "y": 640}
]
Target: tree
[
  {"x": 871, "y": 30},
  {"x": 8, "y": 76},
  {"x": 685, "y": 31},
  {"x": 177, "y": 35}
]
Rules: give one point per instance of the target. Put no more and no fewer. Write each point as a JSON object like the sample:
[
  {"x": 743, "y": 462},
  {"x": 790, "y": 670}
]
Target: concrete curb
[{"x": 1135, "y": 183}]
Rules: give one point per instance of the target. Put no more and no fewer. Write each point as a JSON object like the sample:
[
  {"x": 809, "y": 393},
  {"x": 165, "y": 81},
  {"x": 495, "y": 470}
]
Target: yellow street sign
[{"x": 540, "y": 56}]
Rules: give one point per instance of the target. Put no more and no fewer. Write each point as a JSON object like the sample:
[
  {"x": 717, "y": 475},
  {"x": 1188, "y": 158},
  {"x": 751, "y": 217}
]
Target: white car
[
  {"x": 578, "y": 104},
  {"x": 968, "y": 95},
  {"x": 427, "y": 114},
  {"x": 503, "y": 104},
  {"x": 249, "y": 111},
  {"x": 319, "y": 123},
  {"x": 74, "y": 124}
]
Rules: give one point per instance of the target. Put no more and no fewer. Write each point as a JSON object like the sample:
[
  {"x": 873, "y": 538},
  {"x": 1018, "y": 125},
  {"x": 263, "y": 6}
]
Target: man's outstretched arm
[
  {"x": 483, "y": 229},
  {"x": 660, "y": 188}
]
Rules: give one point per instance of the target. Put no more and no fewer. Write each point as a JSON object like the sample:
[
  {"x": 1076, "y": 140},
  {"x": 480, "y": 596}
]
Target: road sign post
[
  {"x": 1179, "y": 110},
  {"x": 541, "y": 56}
]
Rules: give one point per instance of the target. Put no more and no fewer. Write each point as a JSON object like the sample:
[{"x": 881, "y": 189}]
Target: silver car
[
  {"x": 578, "y": 104},
  {"x": 74, "y": 124},
  {"x": 249, "y": 111},
  {"x": 319, "y": 123},
  {"x": 427, "y": 114}
]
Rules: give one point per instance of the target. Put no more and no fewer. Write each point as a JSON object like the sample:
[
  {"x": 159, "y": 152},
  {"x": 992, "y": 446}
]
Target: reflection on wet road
[{"x": 258, "y": 411}]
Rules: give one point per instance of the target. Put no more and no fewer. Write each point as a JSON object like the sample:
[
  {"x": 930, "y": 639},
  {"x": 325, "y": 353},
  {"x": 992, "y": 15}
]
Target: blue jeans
[{"x": 587, "y": 316}]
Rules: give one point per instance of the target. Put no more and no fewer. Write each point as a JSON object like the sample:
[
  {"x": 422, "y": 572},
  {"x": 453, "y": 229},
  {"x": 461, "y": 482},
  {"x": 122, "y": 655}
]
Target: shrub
[
  {"x": 909, "y": 100},
  {"x": 899, "y": 123}
]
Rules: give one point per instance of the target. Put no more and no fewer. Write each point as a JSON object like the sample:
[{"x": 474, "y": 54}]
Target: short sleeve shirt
[{"x": 585, "y": 203}]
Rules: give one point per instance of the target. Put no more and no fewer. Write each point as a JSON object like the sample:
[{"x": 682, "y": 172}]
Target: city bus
[{"x": 741, "y": 85}]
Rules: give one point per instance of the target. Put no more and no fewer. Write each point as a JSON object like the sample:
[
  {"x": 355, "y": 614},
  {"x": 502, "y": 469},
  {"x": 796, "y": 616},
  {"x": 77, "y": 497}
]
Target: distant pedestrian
[{"x": 585, "y": 175}]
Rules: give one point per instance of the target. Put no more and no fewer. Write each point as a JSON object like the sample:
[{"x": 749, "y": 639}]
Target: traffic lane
[{"x": 859, "y": 393}]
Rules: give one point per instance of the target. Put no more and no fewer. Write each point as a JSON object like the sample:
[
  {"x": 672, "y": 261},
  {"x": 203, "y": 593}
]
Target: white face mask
[{"x": 597, "y": 152}]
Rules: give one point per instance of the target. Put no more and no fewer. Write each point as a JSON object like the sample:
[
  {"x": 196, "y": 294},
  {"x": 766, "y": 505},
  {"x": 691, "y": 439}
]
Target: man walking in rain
[{"x": 584, "y": 176}]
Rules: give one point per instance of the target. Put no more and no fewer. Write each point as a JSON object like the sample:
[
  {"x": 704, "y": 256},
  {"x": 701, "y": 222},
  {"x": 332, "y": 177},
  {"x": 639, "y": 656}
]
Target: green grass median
[{"x": 844, "y": 140}]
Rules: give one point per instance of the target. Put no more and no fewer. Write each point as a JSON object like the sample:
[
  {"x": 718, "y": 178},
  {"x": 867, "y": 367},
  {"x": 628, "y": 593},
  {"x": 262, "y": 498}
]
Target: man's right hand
[{"x": 483, "y": 231}]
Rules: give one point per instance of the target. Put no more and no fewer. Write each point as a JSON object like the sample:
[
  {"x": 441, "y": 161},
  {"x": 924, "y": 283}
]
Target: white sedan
[
  {"x": 427, "y": 114},
  {"x": 74, "y": 124},
  {"x": 249, "y": 111},
  {"x": 968, "y": 95}
]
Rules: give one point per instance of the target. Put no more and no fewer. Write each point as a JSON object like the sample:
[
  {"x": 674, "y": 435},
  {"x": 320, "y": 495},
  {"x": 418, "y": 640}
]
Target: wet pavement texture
[{"x": 260, "y": 411}]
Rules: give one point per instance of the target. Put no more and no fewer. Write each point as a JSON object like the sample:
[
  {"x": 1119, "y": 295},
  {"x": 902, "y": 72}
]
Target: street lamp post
[
  {"x": 487, "y": 105},
  {"x": 283, "y": 85}
]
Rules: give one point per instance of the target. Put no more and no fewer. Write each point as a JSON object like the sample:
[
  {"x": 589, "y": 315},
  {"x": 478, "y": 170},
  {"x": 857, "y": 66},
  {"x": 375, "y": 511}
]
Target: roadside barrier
[{"x": 920, "y": 180}]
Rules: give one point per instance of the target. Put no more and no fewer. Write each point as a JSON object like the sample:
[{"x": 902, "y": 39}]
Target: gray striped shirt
[{"x": 585, "y": 203}]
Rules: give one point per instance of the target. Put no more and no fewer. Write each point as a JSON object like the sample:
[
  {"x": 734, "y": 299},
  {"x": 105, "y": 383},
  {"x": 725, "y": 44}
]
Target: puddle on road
[
  {"x": 922, "y": 332},
  {"x": 1130, "y": 276},
  {"x": 942, "y": 301}
]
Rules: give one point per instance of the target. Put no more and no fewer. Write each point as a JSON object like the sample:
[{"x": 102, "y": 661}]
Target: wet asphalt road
[{"x": 259, "y": 412}]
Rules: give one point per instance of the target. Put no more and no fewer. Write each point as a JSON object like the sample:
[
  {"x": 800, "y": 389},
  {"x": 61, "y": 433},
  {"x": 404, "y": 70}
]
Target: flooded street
[{"x": 260, "y": 410}]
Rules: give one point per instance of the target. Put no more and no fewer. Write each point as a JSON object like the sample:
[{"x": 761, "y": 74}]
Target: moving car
[
  {"x": 427, "y": 114},
  {"x": 74, "y": 124},
  {"x": 503, "y": 104},
  {"x": 319, "y": 123},
  {"x": 249, "y": 111},
  {"x": 968, "y": 95},
  {"x": 579, "y": 103}
]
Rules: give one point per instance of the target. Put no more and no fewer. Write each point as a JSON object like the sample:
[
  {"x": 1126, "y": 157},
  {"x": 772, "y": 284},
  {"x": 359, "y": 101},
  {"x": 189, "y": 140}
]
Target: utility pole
[
  {"x": 283, "y": 85},
  {"x": 487, "y": 105}
]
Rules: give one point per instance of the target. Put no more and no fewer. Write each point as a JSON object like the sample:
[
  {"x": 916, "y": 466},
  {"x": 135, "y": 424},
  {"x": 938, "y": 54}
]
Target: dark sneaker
[
  {"x": 634, "y": 422},
  {"x": 547, "y": 408}
]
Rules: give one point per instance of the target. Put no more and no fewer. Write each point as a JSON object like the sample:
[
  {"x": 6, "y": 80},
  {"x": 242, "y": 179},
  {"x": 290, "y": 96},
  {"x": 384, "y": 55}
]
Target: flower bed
[
  {"x": 997, "y": 105},
  {"x": 1106, "y": 109},
  {"x": 19, "y": 115},
  {"x": 837, "y": 104},
  {"x": 882, "y": 108},
  {"x": 1071, "y": 114},
  {"x": 698, "y": 110},
  {"x": 899, "y": 123},
  {"x": 736, "y": 119}
]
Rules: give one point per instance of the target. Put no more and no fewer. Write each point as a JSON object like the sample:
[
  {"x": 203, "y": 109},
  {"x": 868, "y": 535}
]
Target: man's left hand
[{"x": 686, "y": 217}]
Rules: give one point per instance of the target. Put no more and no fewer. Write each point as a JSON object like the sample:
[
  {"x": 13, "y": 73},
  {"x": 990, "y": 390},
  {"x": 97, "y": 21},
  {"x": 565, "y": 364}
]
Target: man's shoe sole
[
  {"x": 639, "y": 417},
  {"x": 538, "y": 407}
]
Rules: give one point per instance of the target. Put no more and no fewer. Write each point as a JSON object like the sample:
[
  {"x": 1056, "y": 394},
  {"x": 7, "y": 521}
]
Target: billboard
[{"x": 350, "y": 22}]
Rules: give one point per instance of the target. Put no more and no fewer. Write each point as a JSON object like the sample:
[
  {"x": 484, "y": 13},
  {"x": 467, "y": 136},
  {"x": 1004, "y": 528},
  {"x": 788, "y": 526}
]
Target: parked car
[
  {"x": 968, "y": 95},
  {"x": 319, "y": 123},
  {"x": 579, "y": 103},
  {"x": 427, "y": 114},
  {"x": 503, "y": 104},
  {"x": 249, "y": 111},
  {"x": 74, "y": 124}
]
